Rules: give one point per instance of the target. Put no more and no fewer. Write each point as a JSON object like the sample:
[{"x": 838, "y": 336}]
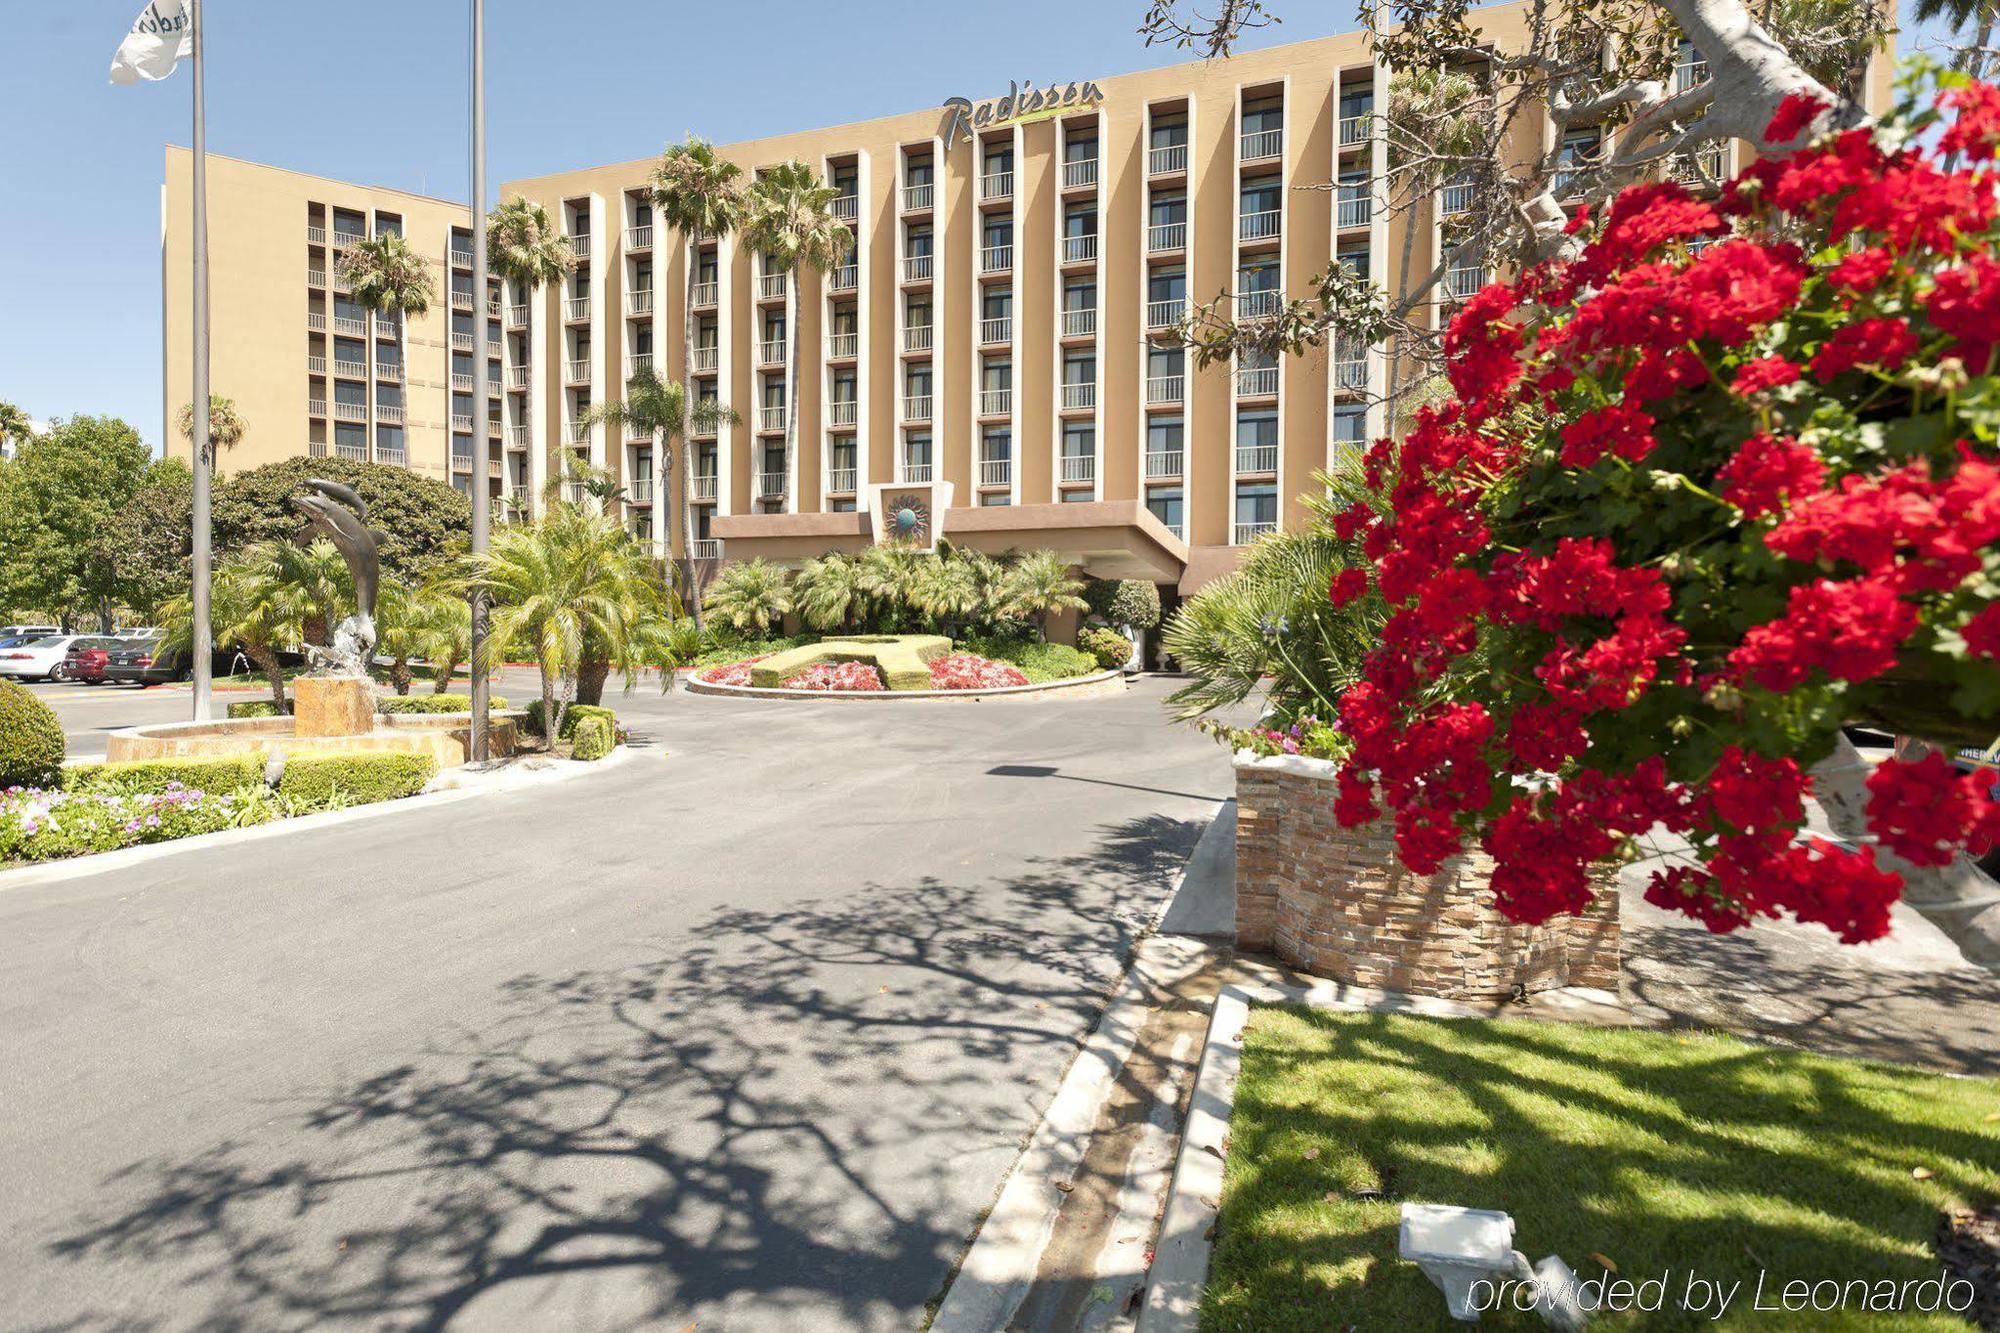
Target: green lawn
[{"x": 1667, "y": 1153}]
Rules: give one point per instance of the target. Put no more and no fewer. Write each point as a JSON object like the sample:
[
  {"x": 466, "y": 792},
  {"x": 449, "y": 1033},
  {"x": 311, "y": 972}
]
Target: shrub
[
  {"x": 1039, "y": 662},
  {"x": 330, "y": 781},
  {"x": 967, "y": 671},
  {"x": 149, "y": 776},
  {"x": 535, "y": 724},
  {"x": 254, "y": 708},
  {"x": 723, "y": 649},
  {"x": 31, "y": 739},
  {"x": 38, "y": 825},
  {"x": 1111, "y": 649},
  {"x": 433, "y": 703},
  {"x": 1133, "y": 602},
  {"x": 593, "y": 738}
]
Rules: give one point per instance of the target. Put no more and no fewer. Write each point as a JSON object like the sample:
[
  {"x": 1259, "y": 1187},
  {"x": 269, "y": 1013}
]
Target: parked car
[
  {"x": 141, "y": 662},
  {"x": 86, "y": 658},
  {"x": 28, "y": 631},
  {"x": 37, "y": 659}
]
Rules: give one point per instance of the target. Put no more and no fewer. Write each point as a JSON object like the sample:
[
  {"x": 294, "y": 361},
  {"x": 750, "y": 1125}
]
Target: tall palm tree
[
  {"x": 750, "y": 596},
  {"x": 225, "y": 423},
  {"x": 389, "y": 278},
  {"x": 699, "y": 195},
  {"x": 790, "y": 219},
  {"x": 658, "y": 409},
  {"x": 1039, "y": 585},
  {"x": 947, "y": 589},
  {"x": 827, "y": 593},
  {"x": 525, "y": 249},
  {"x": 254, "y": 607}
]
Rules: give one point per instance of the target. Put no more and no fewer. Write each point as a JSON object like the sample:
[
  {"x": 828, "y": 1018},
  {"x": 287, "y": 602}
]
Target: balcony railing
[
  {"x": 1164, "y": 388},
  {"x": 639, "y": 238},
  {"x": 385, "y": 327},
  {"x": 580, "y": 246},
  {"x": 461, "y": 300},
  {"x": 1356, "y": 129},
  {"x": 841, "y": 412},
  {"x": 316, "y": 407},
  {"x": 1078, "y": 468},
  {"x": 770, "y": 485},
  {"x": 639, "y": 490},
  {"x": 706, "y": 548},
  {"x": 637, "y": 362},
  {"x": 770, "y": 286},
  {"x": 996, "y": 258},
  {"x": 344, "y": 239},
  {"x": 843, "y": 346},
  {"x": 462, "y": 381},
  {"x": 356, "y": 327},
  {"x": 1688, "y": 73},
  {"x": 915, "y": 472},
  {"x": 579, "y": 432},
  {"x": 354, "y": 370},
  {"x": 1161, "y": 463},
  {"x": 703, "y": 358},
  {"x": 1350, "y": 367},
  {"x": 1166, "y": 160},
  {"x": 996, "y": 330},
  {"x": 517, "y": 316},
  {"x": 1256, "y": 305},
  {"x": 315, "y": 365},
  {"x": 840, "y": 480},
  {"x": 917, "y": 407},
  {"x": 462, "y": 421},
  {"x": 703, "y": 486},
  {"x": 392, "y": 413},
  {"x": 315, "y": 320},
  {"x": 1459, "y": 197},
  {"x": 1080, "y": 173},
  {"x": 461, "y": 459},
  {"x": 1165, "y": 314},
  {"x": 917, "y": 338},
  {"x": 1256, "y": 458},
  {"x": 517, "y": 377},
  {"x": 1259, "y": 226},
  {"x": 577, "y": 371},
  {"x": 1256, "y": 381},
  {"x": 996, "y": 471},
  {"x": 315, "y": 235},
  {"x": 1261, "y": 144},
  {"x": 1078, "y": 396},
  {"x": 461, "y": 258},
  {"x": 705, "y": 293},
  {"x": 996, "y": 185},
  {"x": 1711, "y": 163},
  {"x": 771, "y": 418},
  {"x": 1351, "y": 213},
  {"x": 350, "y": 411},
  {"x": 846, "y": 207},
  {"x": 517, "y": 437},
  {"x": 917, "y": 198},
  {"x": 461, "y": 342},
  {"x": 1460, "y": 283},
  {"x": 1246, "y": 533},
  {"x": 316, "y": 277},
  {"x": 639, "y": 302},
  {"x": 916, "y": 268},
  {"x": 996, "y": 402},
  {"x": 771, "y": 352},
  {"x": 1079, "y": 323},
  {"x": 1166, "y": 236},
  {"x": 845, "y": 278},
  {"x": 1079, "y": 249},
  {"x": 357, "y": 452},
  {"x": 577, "y": 309},
  {"x": 389, "y": 372}
]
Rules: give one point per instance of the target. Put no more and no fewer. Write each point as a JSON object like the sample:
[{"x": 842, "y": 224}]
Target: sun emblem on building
[{"x": 909, "y": 518}]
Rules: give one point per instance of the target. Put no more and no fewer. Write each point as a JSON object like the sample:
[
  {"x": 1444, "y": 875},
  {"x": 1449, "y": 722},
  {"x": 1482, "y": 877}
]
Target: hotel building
[{"x": 988, "y": 352}]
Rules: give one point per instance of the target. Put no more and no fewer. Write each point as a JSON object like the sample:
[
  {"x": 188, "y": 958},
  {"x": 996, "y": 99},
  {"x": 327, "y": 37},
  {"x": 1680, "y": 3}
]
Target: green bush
[
  {"x": 1039, "y": 662},
  {"x": 536, "y": 726},
  {"x": 722, "y": 649},
  {"x": 593, "y": 738},
  {"x": 254, "y": 708},
  {"x": 46, "y": 826},
  {"x": 432, "y": 703},
  {"x": 148, "y": 776},
  {"x": 1133, "y": 602},
  {"x": 31, "y": 740},
  {"x": 331, "y": 781},
  {"x": 1111, "y": 649}
]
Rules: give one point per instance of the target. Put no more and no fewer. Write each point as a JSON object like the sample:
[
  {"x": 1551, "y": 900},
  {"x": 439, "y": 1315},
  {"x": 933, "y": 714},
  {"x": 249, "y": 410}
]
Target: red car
[{"x": 85, "y": 660}]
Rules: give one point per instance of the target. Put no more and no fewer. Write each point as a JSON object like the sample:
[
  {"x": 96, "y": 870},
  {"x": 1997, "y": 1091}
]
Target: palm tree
[
  {"x": 699, "y": 195},
  {"x": 314, "y": 580},
  {"x": 885, "y": 576},
  {"x": 658, "y": 409},
  {"x": 525, "y": 249},
  {"x": 790, "y": 219},
  {"x": 445, "y": 629},
  {"x": 827, "y": 593},
  {"x": 750, "y": 595},
  {"x": 947, "y": 588},
  {"x": 225, "y": 423},
  {"x": 253, "y": 610},
  {"x": 1039, "y": 585},
  {"x": 571, "y": 578},
  {"x": 388, "y": 277}
]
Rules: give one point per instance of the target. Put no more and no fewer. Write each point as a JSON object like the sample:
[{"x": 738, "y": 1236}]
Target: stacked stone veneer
[{"x": 1338, "y": 902}]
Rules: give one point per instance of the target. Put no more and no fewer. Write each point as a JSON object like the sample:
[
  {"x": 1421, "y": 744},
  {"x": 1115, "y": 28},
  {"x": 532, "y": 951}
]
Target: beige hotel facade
[{"x": 989, "y": 352}]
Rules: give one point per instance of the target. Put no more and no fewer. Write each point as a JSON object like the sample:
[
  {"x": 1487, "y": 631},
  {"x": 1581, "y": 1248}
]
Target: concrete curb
[
  {"x": 1077, "y": 683},
  {"x": 82, "y": 867}
]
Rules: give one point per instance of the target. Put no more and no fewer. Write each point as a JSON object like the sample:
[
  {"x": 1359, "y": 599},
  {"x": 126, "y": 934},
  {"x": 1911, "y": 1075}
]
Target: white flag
[{"x": 161, "y": 37}]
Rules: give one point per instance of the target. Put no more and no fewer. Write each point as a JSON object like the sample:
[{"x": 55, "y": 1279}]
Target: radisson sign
[{"x": 1019, "y": 106}]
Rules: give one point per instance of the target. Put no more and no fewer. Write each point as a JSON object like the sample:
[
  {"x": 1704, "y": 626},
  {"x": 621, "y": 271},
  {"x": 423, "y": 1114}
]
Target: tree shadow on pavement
[{"x": 774, "y": 1119}]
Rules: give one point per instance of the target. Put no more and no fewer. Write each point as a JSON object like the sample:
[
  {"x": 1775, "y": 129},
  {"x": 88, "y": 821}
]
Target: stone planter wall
[{"x": 1338, "y": 902}]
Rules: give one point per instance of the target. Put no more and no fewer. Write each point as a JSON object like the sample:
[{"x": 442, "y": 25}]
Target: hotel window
[
  {"x": 999, "y": 159},
  {"x": 1261, "y": 195},
  {"x": 774, "y": 391},
  {"x": 917, "y": 171},
  {"x": 1168, "y": 131},
  {"x": 1256, "y": 507},
  {"x": 1165, "y": 363},
  {"x": 995, "y": 499},
  {"x": 1079, "y": 220},
  {"x": 1080, "y": 148},
  {"x": 997, "y": 303},
  {"x": 642, "y": 465},
  {"x": 1351, "y": 199},
  {"x": 996, "y": 385},
  {"x": 999, "y": 230},
  {"x": 1079, "y": 368},
  {"x": 1266, "y": 113},
  {"x": 1358, "y": 105},
  {"x": 1356, "y": 260},
  {"x": 916, "y": 451},
  {"x": 461, "y": 284},
  {"x": 349, "y": 439},
  {"x": 1080, "y": 295},
  {"x": 391, "y": 395},
  {"x": 844, "y": 320},
  {"x": 1164, "y": 503},
  {"x": 1350, "y": 428},
  {"x": 1166, "y": 283},
  {"x": 351, "y": 393},
  {"x": 347, "y": 222},
  {"x": 843, "y": 387},
  {"x": 1577, "y": 154},
  {"x": 579, "y": 283},
  {"x": 706, "y": 332},
  {"x": 1258, "y": 430},
  {"x": 917, "y": 245},
  {"x": 642, "y": 213},
  {"x": 917, "y": 313},
  {"x": 642, "y": 341},
  {"x": 347, "y": 308},
  {"x": 1261, "y": 276},
  {"x": 581, "y": 403},
  {"x": 847, "y": 179},
  {"x": 642, "y": 277},
  {"x": 774, "y": 327},
  {"x": 1168, "y": 208},
  {"x": 1079, "y": 439},
  {"x": 917, "y": 380},
  {"x": 705, "y": 268},
  {"x": 389, "y": 437}
]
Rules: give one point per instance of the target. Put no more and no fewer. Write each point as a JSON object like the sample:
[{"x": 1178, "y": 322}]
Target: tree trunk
[
  {"x": 441, "y": 681},
  {"x": 687, "y": 428},
  {"x": 792, "y": 395},
  {"x": 551, "y": 721},
  {"x": 1751, "y": 71},
  {"x": 267, "y": 661},
  {"x": 590, "y": 678}
]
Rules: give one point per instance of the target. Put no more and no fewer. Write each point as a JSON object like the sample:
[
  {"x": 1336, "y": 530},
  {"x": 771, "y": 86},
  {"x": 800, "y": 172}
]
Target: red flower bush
[
  {"x": 845, "y": 677},
  {"x": 968, "y": 671},
  {"x": 1717, "y": 483},
  {"x": 734, "y": 673}
]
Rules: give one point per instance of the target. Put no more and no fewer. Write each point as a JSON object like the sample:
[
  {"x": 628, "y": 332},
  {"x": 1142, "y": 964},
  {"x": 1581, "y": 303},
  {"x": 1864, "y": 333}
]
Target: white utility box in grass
[{"x": 1461, "y": 1248}]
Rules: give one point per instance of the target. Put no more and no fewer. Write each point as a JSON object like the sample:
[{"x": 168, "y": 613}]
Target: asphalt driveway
[{"x": 744, "y": 1032}]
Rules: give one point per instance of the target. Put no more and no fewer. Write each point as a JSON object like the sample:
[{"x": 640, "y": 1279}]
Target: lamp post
[{"x": 481, "y": 473}]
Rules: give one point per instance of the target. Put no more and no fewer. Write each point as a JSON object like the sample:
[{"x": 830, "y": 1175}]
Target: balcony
[
  {"x": 1077, "y": 397},
  {"x": 1257, "y": 459},
  {"x": 461, "y": 301},
  {"x": 917, "y": 407},
  {"x": 1258, "y": 226},
  {"x": 356, "y": 328},
  {"x": 639, "y": 238},
  {"x": 996, "y": 330},
  {"x": 316, "y": 407},
  {"x": 847, "y": 208},
  {"x": 845, "y": 278},
  {"x": 315, "y": 277},
  {"x": 1350, "y": 366},
  {"x": 840, "y": 481},
  {"x": 388, "y": 372},
  {"x": 1079, "y": 469},
  {"x": 494, "y": 431},
  {"x": 1165, "y": 314},
  {"x": 461, "y": 342},
  {"x": 315, "y": 235},
  {"x": 1458, "y": 198},
  {"x": 517, "y": 377},
  {"x": 637, "y": 362},
  {"x": 770, "y": 485},
  {"x": 462, "y": 421},
  {"x": 580, "y": 246},
  {"x": 1164, "y": 388},
  {"x": 1079, "y": 323},
  {"x": 1080, "y": 249},
  {"x": 1080, "y": 174},
  {"x": 461, "y": 258},
  {"x": 842, "y": 412},
  {"x": 1701, "y": 167},
  {"x": 385, "y": 327},
  {"x": 1688, "y": 73},
  {"x": 1258, "y": 304},
  {"x": 343, "y": 240},
  {"x": 639, "y": 302},
  {"x": 1256, "y": 381},
  {"x": 1166, "y": 236},
  {"x": 517, "y": 316},
  {"x": 355, "y": 452},
  {"x": 996, "y": 402},
  {"x": 577, "y": 371},
  {"x": 639, "y": 491},
  {"x": 390, "y": 413},
  {"x": 461, "y": 459},
  {"x": 771, "y": 418},
  {"x": 996, "y": 258},
  {"x": 704, "y": 430},
  {"x": 1246, "y": 533},
  {"x": 705, "y": 293},
  {"x": 1162, "y": 464},
  {"x": 996, "y": 471},
  {"x": 703, "y": 358},
  {"x": 1352, "y": 213},
  {"x": 843, "y": 346},
  {"x": 354, "y": 370},
  {"x": 916, "y": 268},
  {"x": 350, "y": 411},
  {"x": 996, "y": 185},
  {"x": 575, "y": 492},
  {"x": 579, "y": 432},
  {"x": 1166, "y": 160},
  {"x": 316, "y": 320},
  {"x": 1356, "y": 129},
  {"x": 341, "y": 281},
  {"x": 577, "y": 310},
  {"x": 517, "y": 436},
  {"x": 462, "y": 382},
  {"x": 706, "y": 548},
  {"x": 771, "y": 352},
  {"x": 1262, "y": 144},
  {"x": 917, "y": 198},
  {"x": 702, "y": 487},
  {"x": 917, "y": 338},
  {"x": 770, "y": 286},
  {"x": 1460, "y": 283},
  {"x": 915, "y": 472}
]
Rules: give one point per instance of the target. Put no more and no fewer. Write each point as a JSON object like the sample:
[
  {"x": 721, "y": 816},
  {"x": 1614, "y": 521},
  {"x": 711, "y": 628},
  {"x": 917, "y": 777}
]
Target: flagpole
[
  {"x": 201, "y": 647},
  {"x": 482, "y": 470}
]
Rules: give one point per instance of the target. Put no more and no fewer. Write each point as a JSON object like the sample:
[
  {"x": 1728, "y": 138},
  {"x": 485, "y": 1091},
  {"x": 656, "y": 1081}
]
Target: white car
[
  {"x": 28, "y": 631},
  {"x": 37, "y": 659}
]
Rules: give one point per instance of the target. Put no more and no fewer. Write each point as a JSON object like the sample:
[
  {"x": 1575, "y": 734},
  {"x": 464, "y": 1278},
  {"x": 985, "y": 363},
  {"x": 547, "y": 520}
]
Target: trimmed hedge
[
  {"x": 577, "y": 712},
  {"x": 139, "y": 777},
  {"x": 903, "y": 659},
  {"x": 1111, "y": 649},
  {"x": 256, "y": 708},
  {"x": 31, "y": 740},
  {"x": 432, "y": 703},
  {"x": 593, "y": 738},
  {"x": 1039, "y": 662},
  {"x": 317, "y": 781}
]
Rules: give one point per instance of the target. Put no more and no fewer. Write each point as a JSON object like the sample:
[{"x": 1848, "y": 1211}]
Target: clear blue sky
[{"x": 568, "y": 85}]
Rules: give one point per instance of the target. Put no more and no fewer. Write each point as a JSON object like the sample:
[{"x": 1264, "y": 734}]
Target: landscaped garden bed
[
  {"x": 918, "y": 665},
  {"x": 955, "y": 671},
  {"x": 1686, "y": 1162}
]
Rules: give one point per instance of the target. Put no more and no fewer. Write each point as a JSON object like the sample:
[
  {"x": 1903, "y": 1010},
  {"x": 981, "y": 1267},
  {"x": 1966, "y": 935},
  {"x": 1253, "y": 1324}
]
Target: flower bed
[
  {"x": 731, "y": 673},
  {"x": 847, "y": 677},
  {"x": 967, "y": 671},
  {"x": 39, "y": 825},
  {"x": 957, "y": 671}
]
